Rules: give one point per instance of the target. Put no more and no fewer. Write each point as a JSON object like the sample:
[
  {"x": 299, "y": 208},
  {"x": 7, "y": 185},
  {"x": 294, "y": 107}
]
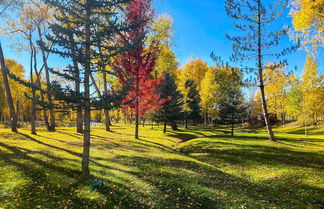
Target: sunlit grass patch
[{"x": 195, "y": 168}]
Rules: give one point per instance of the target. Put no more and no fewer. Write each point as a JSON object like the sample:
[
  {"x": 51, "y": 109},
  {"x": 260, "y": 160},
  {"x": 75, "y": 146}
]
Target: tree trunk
[
  {"x": 39, "y": 84},
  {"x": 86, "y": 140},
  {"x": 136, "y": 120},
  {"x": 205, "y": 120},
  {"x": 79, "y": 118},
  {"x": 263, "y": 98},
  {"x": 174, "y": 126},
  {"x": 5, "y": 71},
  {"x": 33, "y": 110},
  {"x": 137, "y": 105},
  {"x": 48, "y": 83},
  {"x": 107, "y": 121},
  {"x": 164, "y": 127},
  {"x": 186, "y": 123},
  {"x": 232, "y": 131},
  {"x": 107, "y": 118}
]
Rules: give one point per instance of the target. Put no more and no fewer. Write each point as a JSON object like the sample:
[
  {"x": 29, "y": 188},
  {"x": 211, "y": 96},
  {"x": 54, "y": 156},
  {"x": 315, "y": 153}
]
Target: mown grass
[{"x": 196, "y": 168}]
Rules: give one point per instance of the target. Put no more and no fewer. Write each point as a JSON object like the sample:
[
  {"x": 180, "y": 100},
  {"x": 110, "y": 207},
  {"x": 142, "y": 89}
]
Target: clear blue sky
[{"x": 200, "y": 28}]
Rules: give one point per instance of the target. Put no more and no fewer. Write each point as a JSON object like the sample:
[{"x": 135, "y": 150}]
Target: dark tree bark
[
  {"x": 233, "y": 115},
  {"x": 164, "y": 127},
  {"x": 86, "y": 140},
  {"x": 5, "y": 71},
  {"x": 137, "y": 106},
  {"x": 33, "y": 110},
  {"x": 107, "y": 118}
]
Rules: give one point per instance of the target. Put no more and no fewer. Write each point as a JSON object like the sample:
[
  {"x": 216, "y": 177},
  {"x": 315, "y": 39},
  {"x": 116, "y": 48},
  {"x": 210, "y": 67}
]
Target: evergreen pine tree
[
  {"x": 193, "y": 103},
  {"x": 171, "y": 109},
  {"x": 253, "y": 20},
  {"x": 232, "y": 108},
  {"x": 93, "y": 21}
]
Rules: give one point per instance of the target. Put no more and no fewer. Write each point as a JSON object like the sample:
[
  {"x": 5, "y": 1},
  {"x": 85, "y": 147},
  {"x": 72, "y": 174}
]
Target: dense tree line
[{"x": 121, "y": 64}]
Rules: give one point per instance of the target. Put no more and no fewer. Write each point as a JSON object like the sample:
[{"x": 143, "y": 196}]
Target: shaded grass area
[{"x": 196, "y": 168}]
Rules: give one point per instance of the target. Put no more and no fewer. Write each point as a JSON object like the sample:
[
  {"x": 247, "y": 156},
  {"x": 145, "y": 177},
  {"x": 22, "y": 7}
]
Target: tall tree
[
  {"x": 41, "y": 14},
  {"x": 5, "y": 71},
  {"x": 92, "y": 20},
  {"x": 171, "y": 109},
  {"x": 209, "y": 93},
  {"x": 276, "y": 82},
  {"x": 138, "y": 63},
  {"x": 231, "y": 105},
  {"x": 191, "y": 103},
  {"x": 6, "y": 6},
  {"x": 253, "y": 20},
  {"x": 311, "y": 91},
  {"x": 162, "y": 34}
]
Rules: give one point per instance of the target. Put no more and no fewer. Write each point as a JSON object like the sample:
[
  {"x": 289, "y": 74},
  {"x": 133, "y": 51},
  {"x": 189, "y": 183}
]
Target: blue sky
[{"x": 200, "y": 28}]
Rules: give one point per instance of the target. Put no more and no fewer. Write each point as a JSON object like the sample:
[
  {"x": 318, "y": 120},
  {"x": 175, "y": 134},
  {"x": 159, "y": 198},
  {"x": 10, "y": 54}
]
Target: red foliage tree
[{"x": 138, "y": 62}]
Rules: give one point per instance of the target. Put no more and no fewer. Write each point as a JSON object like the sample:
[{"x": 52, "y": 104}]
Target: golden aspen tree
[
  {"x": 208, "y": 94},
  {"x": 311, "y": 88},
  {"x": 276, "y": 82},
  {"x": 308, "y": 22}
]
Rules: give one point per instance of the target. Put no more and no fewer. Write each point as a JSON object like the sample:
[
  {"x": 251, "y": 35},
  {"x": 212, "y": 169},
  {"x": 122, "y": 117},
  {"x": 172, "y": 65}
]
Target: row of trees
[{"x": 120, "y": 61}]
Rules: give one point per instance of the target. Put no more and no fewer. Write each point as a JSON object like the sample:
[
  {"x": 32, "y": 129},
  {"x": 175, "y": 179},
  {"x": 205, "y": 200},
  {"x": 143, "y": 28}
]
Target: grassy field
[{"x": 196, "y": 168}]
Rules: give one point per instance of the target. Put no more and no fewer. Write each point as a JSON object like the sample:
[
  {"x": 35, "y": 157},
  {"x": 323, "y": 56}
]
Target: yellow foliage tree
[
  {"x": 312, "y": 91},
  {"x": 194, "y": 70},
  {"x": 308, "y": 22},
  {"x": 276, "y": 81}
]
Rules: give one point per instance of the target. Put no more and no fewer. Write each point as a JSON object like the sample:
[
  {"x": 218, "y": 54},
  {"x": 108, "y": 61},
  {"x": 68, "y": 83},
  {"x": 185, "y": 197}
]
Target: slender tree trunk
[
  {"x": 5, "y": 71},
  {"x": 107, "y": 118},
  {"x": 39, "y": 84},
  {"x": 86, "y": 140},
  {"x": 76, "y": 70},
  {"x": 232, "y": 131},
  {"x": 43, "y": 101},
  {"x": 136, "y": 120},
  {"x": 263, "y": 98},
  {"x": 205, "y": 119},
  {"x": 48, "y": 83},
  {"x": 164, "y": 127},
  {"x": 107, "y": 121},
  {"x": 186, "y": 123},
  {"x": 33, "y": 110},
  {"x": 137, "y": 106},
  {"x": 79, "y": 118}
]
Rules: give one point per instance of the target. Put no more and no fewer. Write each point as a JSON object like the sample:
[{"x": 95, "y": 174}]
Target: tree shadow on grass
[
  {"x": 48, "y": 185},
  {"x": 194, "y": 185},
  {"x": 256, "y": 154}
]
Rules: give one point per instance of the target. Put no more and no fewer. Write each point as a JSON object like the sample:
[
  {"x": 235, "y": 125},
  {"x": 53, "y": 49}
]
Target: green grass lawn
[{"x": 196, "y": 168}]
